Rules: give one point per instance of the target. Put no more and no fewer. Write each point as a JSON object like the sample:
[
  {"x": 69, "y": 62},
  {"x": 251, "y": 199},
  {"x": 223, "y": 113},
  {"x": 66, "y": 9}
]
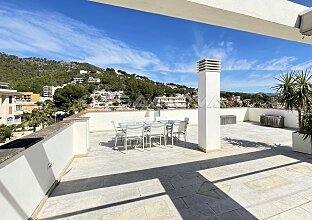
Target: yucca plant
[
  {"x": 303, "y": 94},
  {"x": 306, "y": 129},
  {"x": 295, "y": 92}
]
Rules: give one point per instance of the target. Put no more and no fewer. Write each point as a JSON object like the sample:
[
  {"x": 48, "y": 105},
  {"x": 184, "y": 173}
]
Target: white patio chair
[
  {"x": 157, "y": 130},
  {"x": 179, "y": 128},
  {"x": 119, "y": 133},
  {"x": 186, "y": 119},
  {"x": 134, "y": 132}
]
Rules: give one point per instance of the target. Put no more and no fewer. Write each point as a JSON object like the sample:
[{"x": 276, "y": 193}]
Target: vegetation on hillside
[{"x": 31, "y": 74}]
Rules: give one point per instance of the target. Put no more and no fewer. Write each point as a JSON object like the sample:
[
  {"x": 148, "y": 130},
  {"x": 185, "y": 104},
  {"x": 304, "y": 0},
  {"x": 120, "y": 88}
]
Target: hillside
[{"x": 31, "y": 74}]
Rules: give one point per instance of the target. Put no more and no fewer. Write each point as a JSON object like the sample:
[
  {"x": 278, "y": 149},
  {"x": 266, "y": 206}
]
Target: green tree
[
  {"x": 71, "y": 98},
  {"x": 5, "y": 132}
]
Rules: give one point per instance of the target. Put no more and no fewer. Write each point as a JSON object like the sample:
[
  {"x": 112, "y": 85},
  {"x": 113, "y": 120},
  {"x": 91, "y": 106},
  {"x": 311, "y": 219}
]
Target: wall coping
[{"x": 15, "y": 147}]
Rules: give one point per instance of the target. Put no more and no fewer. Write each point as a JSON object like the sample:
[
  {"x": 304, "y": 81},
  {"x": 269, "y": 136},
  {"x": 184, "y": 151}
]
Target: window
[
  {"x": 10, "y": 110},
  {"x": 10, "y": 99},
  {"x": 19, "y": 108}
]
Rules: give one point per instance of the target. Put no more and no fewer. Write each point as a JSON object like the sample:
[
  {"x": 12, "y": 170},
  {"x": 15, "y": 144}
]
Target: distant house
[
  {"x": 10, "y": 113},
  {"x": 78, "y": 80},
  {"x": 171, "y": 102},
  {"x": 48, "y": 91},
  {"x": 94, "y": 80},
  {"x": 83, "y": 72},
  {"x": 27, "y": 101}
]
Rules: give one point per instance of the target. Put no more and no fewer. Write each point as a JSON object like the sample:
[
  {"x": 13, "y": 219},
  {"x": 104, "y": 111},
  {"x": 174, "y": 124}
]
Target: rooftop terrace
[{"x": 256, "y": 175}]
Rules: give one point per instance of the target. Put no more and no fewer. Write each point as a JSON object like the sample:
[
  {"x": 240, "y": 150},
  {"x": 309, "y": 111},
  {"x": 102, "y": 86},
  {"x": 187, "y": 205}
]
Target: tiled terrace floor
[{"x": 254, "y": 176}]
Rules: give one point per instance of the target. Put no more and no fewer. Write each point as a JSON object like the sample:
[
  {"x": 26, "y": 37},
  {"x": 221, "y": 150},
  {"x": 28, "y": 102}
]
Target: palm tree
[
  {"x": 295, "y": 92},
  {"x": 303, "y": 94},
  {"x": 49, "y": 111},
  {"x": 286, "y": 89},
  {"x": 77, "y": 106},
  {"x": 37, "y": 118},
  {"x": 307, "y": 125}
]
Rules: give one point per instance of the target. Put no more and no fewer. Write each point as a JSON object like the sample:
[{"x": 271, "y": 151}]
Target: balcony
[{"x": 255, "y": 175}]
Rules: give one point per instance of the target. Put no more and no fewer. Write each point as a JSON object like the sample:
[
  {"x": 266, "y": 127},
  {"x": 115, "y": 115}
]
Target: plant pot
[{"x": 301, "y": 145}]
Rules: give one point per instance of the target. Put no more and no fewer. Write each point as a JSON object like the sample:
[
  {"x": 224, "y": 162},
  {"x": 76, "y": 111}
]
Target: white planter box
[{"x": 301, "y": 145}]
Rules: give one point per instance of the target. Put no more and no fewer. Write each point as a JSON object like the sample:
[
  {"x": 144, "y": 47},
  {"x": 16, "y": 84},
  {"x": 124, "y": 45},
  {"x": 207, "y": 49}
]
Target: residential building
[
  {"x": 48, "y": 91},
  {"x": 108, "y": 100},
  {"x": 83, "y": 72},
  {"x": 9, "y": 114},
  {"x": 78, "y": 80},
  {"x": 94, "y": 80},
  {"x": 171, "y": 102},
  {"x": 27, "y": 101}
]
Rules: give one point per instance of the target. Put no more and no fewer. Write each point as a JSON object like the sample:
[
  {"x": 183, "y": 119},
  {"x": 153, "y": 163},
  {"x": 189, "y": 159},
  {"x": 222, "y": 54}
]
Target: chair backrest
[
  {"x": 158, "y": 128},
  {"x": 179, "y": 126},
  {"x": 115, "y": 128},
  {"x": 186, "y": 119},
  {"x": 135, "y": 130}
]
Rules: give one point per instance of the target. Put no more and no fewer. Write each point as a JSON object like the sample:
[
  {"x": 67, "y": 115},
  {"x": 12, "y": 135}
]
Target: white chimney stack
[{"x": 209, "y": 104}]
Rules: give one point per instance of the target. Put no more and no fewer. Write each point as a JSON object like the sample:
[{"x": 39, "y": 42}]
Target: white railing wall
[
  {"x": 26, "y": 178},
  {"x": 102, "y": 121},
  {"x": 291, "y": 117}
]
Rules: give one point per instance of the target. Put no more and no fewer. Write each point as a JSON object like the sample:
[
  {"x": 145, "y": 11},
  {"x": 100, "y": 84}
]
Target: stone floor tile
[
  {"x": 158, "y": 210},
  {"x": 184, "y": 183},
  {"x": 264, "y": 211},
  {"x": 293, "y": 214},
  {"x": 199, "y": 211},
  {"x": 307, "y": 207},
  {"x": 290, "y": 201}
]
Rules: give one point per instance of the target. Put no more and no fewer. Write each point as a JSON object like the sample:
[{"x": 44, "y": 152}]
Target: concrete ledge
[{"x": 38, "y": 166}]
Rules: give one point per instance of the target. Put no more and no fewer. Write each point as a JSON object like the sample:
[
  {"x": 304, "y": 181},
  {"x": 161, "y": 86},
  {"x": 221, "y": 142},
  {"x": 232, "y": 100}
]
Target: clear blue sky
[{"x": 162, "y": 48}]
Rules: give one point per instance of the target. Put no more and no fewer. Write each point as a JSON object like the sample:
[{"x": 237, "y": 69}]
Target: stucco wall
[
  {"x": 27, "y": 177},
  {"x": 291, "y": 117},
  {"x": 102, "y": 121}
]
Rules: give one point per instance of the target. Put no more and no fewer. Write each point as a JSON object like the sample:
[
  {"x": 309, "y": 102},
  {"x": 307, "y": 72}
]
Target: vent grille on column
[{"x": 209, "y": 65}]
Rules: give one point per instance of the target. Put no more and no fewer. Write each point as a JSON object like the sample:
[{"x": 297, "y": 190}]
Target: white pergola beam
[{"x": 274, "y": 18}]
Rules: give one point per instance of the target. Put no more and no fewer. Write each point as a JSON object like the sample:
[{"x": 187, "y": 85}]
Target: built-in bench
[
  {"x": 275, "y": 121},
  {"x": 228, "y": 119}
]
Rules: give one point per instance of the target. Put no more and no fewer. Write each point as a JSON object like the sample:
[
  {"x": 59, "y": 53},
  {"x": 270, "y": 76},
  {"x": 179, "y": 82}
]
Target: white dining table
[{"x": 124, "y": 125}]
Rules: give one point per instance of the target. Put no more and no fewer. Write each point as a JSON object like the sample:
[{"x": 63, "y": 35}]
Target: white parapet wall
[
  {"x": 102, "y": 121},
  {"x": 26, "y": 178},
  {"x": 291, "y": 117}
]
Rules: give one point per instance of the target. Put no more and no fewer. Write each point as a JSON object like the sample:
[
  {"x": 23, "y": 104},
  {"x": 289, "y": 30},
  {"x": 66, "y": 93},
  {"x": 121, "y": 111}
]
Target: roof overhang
[{"x": 277, "y": 18}]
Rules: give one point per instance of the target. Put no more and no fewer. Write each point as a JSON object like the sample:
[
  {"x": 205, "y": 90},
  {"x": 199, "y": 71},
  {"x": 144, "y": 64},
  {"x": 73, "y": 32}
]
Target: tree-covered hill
[{"x": 31, "y": 74}]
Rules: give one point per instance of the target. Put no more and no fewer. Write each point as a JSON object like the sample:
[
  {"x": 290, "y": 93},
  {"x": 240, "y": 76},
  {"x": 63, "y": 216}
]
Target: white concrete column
[{"x": 209, "y": 105}]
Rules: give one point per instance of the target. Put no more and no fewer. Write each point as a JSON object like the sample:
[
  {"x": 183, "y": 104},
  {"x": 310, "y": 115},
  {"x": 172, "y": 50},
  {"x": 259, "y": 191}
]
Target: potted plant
[
  {"x": 295, "y": 92},
  {"x": 302, "y": 141}
]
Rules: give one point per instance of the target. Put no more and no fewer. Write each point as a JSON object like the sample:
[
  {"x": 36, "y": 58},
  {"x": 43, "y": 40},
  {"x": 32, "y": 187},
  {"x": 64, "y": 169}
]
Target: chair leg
[
  {"x": 185, "y": 133},
  {"x": 116, "y": 142},
  {"x": 184, "y": 139},
  {"x": 126, "y": 144},
  {"x": 143, "y": 142},
  {"x": 160, "y": 141},
  {"x": 171, "y": 140},
  {"x": 165, "y": 139},
  {"x": 150, "y": 142}
]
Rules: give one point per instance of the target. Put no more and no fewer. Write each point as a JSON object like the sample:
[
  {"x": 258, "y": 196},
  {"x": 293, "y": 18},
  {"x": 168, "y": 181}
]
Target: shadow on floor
[
  {"x": 177, "y": 143},
  {"x": 202, "y": 199}
]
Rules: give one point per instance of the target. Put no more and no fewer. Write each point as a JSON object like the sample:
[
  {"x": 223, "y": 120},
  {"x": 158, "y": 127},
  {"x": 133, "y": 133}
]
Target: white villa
[{"x": 171, "y": 102}]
